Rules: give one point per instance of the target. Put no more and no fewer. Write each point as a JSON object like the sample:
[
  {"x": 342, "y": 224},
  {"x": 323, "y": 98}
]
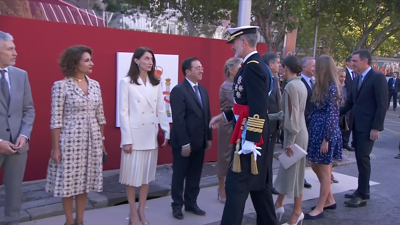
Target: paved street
[
  {"x": 382, "y": 209},
  {"x": 384, "y": 206}
]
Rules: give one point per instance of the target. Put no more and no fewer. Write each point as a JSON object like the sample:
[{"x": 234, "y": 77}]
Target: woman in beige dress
[
  {"x": 77, "y": 121},
  {"x": 225, "y": 130},
  {"x": 290, "y": 182},
  {"x": 141, "y": 109}
]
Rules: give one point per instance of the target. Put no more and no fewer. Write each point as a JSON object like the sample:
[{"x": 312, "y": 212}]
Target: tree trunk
[{"x": 363, "y": 40}]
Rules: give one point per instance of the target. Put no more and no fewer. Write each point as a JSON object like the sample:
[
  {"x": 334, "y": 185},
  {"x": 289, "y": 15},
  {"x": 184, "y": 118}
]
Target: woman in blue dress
[{"x": 325, "y": 138}]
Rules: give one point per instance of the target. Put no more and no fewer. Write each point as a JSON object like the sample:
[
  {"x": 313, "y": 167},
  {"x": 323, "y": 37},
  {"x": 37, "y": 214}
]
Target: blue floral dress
[{"x": 324, "y": 123}]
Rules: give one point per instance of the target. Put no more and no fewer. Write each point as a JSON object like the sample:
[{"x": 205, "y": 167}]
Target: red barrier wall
[{"x": 40, "y": 43}]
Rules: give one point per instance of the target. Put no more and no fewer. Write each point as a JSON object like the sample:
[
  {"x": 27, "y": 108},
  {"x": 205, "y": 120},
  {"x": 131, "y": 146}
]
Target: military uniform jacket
[{"x": 251, "y": 87}]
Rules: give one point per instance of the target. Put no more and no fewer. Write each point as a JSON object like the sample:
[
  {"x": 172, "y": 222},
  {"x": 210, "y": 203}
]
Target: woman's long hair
[
  {"x": 326, "y": 73},
  {"x": 134, "y": 69}
]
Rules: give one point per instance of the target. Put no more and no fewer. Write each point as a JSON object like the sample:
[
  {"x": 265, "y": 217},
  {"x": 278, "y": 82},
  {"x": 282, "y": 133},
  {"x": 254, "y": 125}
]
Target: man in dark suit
[
  {"x": 251, "y": 165},
  {"x": 393, "y": 87},
  {"x": 368, "y": 100},
  {"x": 350, "y": 76},
  {"x": 273, "y": 61},
  {"x": 190, "y": 137},
  {"x": 308, "y": 64}
]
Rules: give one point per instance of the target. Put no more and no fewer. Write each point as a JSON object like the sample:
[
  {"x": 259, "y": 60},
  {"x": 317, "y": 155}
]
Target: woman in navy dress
[{"x": 325, "y": 138}]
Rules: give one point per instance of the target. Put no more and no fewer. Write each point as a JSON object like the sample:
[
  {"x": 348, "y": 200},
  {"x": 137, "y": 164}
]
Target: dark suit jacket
[
  {"x": 251, "y": 86},
  {"x": 309, "y": 104},
  {"x": 369, "y": 103},
  {"x": 396, "y": 86},
  {"x": 274, "y": 104},
  {"x": 348, "y": 82},
  {"x": 190, "y": 122}
]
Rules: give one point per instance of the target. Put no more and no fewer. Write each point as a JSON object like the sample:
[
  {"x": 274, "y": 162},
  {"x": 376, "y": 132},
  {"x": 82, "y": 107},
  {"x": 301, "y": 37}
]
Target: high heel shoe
[
  {"x": 299, "y": 220},
  {"x": 130, "y": 220},
  {"x": 279, "y": 212},
  {"x": 143, "y": 223},
  {"x": 222, "y": 200}
]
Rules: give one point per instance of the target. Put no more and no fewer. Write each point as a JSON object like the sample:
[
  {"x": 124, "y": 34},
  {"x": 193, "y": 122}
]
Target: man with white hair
[
  {"x": 16, "y": 118},
  {"x": 307, "y": 76},
  {"x": 249, "y": 170}
]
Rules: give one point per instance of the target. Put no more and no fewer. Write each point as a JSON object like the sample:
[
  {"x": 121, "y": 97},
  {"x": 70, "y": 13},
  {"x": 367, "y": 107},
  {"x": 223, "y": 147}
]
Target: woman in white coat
[{"x": 141, "y": 109}]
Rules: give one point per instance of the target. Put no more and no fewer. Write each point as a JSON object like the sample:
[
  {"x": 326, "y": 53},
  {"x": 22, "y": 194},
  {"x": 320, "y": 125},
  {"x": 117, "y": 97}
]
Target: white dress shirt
[
  {"x": 308, "y": 79},
  {"x": 350, "y": 72},
  {"x": 192, "y": 84}
]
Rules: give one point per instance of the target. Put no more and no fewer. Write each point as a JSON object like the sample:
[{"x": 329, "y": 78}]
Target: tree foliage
[
  {"x": 276, "y": 17},
  {"x": 349, "y": 25},
  {"x": 344, "y": 25},
  {"x": 200, "y": 16}
]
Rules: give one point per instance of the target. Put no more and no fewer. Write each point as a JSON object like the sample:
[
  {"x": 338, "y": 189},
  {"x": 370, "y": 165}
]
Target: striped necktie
[{"x": 4, "y": 86}]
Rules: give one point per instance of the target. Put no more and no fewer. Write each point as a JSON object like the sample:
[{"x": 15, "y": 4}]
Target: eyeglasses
[{"x": 199, "y": 68}]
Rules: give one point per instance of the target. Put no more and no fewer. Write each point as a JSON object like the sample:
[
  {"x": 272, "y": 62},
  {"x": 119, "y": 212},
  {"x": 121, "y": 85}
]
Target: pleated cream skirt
[{"x": 138, "y": 168}]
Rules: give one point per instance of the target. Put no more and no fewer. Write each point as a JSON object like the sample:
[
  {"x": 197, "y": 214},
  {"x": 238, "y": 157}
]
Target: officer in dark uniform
[{"x": 249, "y": 170}]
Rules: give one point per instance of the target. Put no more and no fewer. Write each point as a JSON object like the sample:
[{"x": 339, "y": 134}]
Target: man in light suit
[
  {"x": 190, "y": 137},
  {"x": 16, "y": 118}
]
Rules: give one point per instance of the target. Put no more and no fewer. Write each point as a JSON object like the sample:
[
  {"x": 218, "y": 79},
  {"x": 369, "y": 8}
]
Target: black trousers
[
  {"x": 346, "y": 137},
  {"x": 237, "y": 194},
  {"x": 188, "y": 170},
  {"x": 363, "y": 147},
  {"x": 393, "y": 94},
  {"x": 235, "y": 204}
]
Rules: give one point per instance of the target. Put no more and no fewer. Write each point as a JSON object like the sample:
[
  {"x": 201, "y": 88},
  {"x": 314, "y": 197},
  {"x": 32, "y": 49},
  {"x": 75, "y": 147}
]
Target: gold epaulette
[
  {"x": 255, "y": 124},
  {"x": 252, "y": 61}
]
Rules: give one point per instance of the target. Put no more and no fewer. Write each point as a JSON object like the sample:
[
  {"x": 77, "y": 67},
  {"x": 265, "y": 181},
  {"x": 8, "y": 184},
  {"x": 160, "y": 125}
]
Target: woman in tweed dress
[{"x": 77, "y": 121}]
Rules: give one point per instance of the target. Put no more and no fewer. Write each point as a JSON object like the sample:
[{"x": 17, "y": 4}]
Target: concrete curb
[{"x": 49, "y": 206}]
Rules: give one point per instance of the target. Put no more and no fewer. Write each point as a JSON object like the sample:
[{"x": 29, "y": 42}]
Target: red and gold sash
[{"x": 243, "y": 112}]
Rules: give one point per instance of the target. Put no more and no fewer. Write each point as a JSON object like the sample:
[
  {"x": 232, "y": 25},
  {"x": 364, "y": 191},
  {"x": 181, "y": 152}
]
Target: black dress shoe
[
  {"x": 356, "y": 202},
  {"x": 306, "y": 184},
  {"x": 354, "y": 194},
  {"x": 195, "y": 209},
  {"x": 177, "y": 213},
  {"x": 348, "y": 148},
  {"x": 274, "y": 191}
]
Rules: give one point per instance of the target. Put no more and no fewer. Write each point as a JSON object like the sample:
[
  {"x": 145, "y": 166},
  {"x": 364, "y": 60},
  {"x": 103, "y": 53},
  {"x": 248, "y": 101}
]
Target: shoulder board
[{"x": 252, "y": 61}]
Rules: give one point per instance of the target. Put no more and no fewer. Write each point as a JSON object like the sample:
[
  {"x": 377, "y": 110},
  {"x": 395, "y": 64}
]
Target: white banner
[{"x": 167, "y": 67}]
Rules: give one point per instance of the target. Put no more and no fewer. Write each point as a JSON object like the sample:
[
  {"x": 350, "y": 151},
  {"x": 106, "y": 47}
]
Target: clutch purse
[
  {"x": 298, "y": 153},
  {"x": 160, "y": 136},
  {"x": 343, "y": 124}
]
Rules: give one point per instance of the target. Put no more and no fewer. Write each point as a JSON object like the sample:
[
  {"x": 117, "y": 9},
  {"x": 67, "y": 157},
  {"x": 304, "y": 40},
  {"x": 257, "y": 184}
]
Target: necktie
[
  {"x": 353, "y": 75},
  {"x": 4, "y": 86},
  {"x": 360, "y": 82},
  {"x": 196, "y": 90},
  {"x": 311, "y": 85}
]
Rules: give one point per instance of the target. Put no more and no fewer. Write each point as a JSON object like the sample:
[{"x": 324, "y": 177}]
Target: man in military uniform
[{"x": 248, "y": 173}]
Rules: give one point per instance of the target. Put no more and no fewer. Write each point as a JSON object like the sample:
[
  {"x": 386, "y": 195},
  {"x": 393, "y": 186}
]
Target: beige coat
[{"x": 225, "y": 130}]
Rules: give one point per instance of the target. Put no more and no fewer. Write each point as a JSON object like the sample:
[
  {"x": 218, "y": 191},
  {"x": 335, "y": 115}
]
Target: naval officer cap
[{"x": 236, "y": 32}]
